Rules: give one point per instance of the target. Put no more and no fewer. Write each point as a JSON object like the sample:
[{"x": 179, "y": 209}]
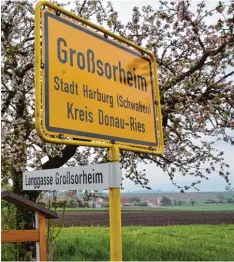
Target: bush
[
  {"x": 135, "y": 199},
  {"x": 41, "y": 203},
  {"x": 221, "y": 197},
  {"x": 59, "y": 204},
  {"x": 177, "y": 202},
  {"x": 230, "y": 200},
  {"x": 166, "y": 201},
  {"x": 105, "y": 204},
  {"x": 81, "y": 204},
  {"x": 143, "y": 203},
  {"x": 4, "y": 204},
  {"x": 72, "y": 203}
]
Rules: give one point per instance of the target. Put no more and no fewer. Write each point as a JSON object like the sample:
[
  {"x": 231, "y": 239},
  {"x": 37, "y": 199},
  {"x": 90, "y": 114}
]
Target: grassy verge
[
  {"x": 187, "y": 207},
  {"x": 204, "y": 207},
  {"x": 172, "y": 243}
]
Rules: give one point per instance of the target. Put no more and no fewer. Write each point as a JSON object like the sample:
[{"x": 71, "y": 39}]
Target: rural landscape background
[
  {"x": 157, "y": 226},
  {"x": 191, "y": 217}
]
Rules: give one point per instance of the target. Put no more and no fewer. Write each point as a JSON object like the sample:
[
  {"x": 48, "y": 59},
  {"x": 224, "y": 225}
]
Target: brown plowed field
[{"x": 147, "y": 218}]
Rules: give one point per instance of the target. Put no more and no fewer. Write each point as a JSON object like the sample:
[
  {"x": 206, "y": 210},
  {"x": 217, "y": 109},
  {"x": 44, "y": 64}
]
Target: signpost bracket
[{"x": 115, "y": 175}]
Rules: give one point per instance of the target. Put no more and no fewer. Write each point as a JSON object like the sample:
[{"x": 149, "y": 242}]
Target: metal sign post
[{"x": 115, "y": 215}]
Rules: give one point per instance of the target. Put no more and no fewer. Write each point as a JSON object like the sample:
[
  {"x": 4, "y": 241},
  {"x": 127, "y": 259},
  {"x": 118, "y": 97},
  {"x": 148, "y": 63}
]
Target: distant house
[
  {"x": 154, "y": 202},
  {"x": 98, "y": 202},
  {"x": 124, "y": 201}
]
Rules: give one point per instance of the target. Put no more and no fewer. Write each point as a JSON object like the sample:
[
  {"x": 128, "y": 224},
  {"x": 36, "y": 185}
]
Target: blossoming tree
[{"x": 195, "y": 65}]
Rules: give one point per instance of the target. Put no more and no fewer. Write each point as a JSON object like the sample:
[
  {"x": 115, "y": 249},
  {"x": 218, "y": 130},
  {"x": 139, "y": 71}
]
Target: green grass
[
  {"x": 172, "y": 243},
  {"x": 204, "y": 207},
  {"x": 184, "y": 207}
]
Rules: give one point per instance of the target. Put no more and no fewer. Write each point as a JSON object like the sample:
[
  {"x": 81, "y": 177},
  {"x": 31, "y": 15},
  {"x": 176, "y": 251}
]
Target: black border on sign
[{"x": 47, "y": 95}]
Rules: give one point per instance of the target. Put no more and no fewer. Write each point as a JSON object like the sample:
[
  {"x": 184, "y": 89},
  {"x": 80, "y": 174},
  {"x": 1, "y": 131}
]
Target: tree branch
[
  {"x": 197, "y": 66},
  {"x": 82, "y": 7},
  {"x": 57, "y": 161},
  {"x": 5, "y": 106},
  {"x": 27, "y": 67}
]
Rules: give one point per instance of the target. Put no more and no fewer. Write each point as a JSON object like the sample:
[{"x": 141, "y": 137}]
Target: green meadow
[
  {"x": 184, "y": 207},
  {"x": 171, "y": 243}
]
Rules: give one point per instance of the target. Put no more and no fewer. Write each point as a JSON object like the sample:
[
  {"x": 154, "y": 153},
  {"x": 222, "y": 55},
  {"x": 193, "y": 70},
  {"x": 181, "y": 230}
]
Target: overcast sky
[{"x": 159, "y": 179}]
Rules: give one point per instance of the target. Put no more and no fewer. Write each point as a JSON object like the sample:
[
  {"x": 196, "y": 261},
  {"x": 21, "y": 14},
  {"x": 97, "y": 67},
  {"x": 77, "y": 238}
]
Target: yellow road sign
[
  {"x": 96, "y": 88},
  {"x": 90, "y": 86}
]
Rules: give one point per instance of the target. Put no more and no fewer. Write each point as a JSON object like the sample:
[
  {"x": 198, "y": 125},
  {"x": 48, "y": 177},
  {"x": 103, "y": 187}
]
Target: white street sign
[{"x": 91, "y": 177}]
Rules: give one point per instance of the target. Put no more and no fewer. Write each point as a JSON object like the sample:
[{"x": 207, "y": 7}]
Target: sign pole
[{"x": 115, "y": 215}]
